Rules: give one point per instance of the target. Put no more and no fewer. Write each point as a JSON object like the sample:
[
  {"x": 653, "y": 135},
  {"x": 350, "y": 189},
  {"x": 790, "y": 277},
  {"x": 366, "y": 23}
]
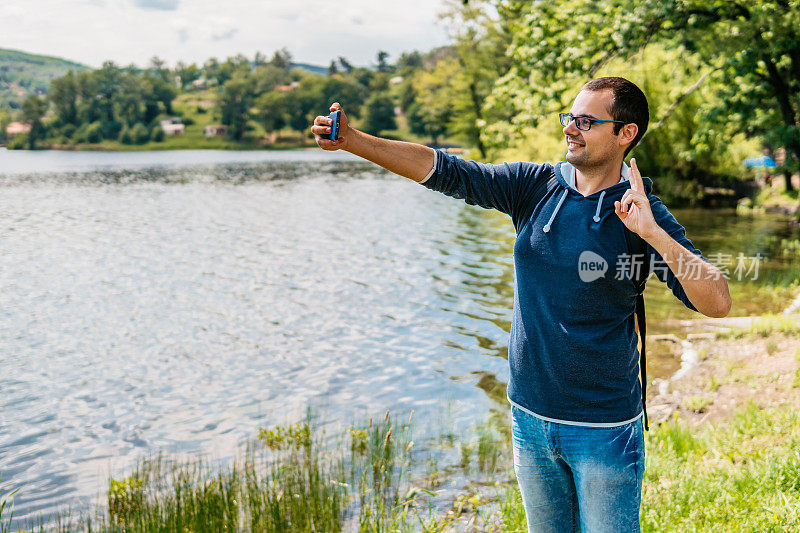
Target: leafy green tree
[
  {"x": 379, "y": 114},
  {"x": 5, "y": 120},
  {"x": 409, "y": 60},
  {"x": 158, "y": 67},
  {"x": 33, "y": 110},
  {"x": 267, "y": 77},
  {"x": 235, "y": 101},
  {"x": 187, "y": 73},
  {"x": 749, "y": 52},
  {"x": 345, "y": 64},
  {"x": 273, "y": 109},
  {"x": 281, "y": 59},
  {"x": 432, "y": 110},
  {"x": 383, "y": 63},
  {"x": 63, "y": 94},
  {"x": 481, "y": 41},
  {"x": 332, "y": 68}
]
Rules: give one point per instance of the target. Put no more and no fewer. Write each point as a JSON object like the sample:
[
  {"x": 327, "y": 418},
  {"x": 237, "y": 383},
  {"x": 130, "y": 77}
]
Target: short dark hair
[{"x": 630, "y": 104}]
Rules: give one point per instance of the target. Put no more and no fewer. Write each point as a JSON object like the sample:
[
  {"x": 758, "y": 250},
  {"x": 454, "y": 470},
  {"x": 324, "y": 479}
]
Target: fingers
[
  {"x": 618, "y": 210},
  {"x": 322, "y": 120},
  {"x": 635, "y": 177},
  {"x": 321, "y": 126}
]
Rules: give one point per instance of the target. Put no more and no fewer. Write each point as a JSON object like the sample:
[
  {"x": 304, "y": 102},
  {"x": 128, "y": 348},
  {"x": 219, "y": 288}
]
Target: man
[{"x": 576, "y": 398}]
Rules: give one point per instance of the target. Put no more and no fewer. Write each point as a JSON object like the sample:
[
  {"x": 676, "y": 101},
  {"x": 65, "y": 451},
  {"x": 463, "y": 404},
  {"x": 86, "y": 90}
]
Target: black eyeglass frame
[{"x": 569, "y": 117}]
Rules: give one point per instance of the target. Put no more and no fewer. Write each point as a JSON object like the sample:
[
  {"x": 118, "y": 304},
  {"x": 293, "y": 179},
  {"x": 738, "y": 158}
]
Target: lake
[{"x": 179, "y": 301}]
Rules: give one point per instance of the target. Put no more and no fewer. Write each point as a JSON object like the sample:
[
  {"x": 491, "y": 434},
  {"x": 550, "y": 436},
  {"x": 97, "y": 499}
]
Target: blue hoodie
[{"x": 573, "y": 345}]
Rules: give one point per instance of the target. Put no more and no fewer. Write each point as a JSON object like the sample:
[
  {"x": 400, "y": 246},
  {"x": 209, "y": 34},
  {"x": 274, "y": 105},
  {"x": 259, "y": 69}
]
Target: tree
[
  {"x": 345, "y": 64},
  {"x": 383, "y": 64},
  {"x": 282, "y": 59},
  {"x": 480, "y": 44},
  {"x": 5, "y": 120},
  {"x": 379, "y": 114},
  {"x": 272, "y": 110},
  {"x": 33, "y": 109},
  {"x": 186, "y": 73},
  {"x": 158, "y": 67},
  {"x": 235, "y": 101},
  {"x": 432, "y": 110},
  {"x": 63, "y": 95},
  {"x": 748, "y": 51},
  {"x": 268, "y": 77},
  {"x": 332, "y": 68}
]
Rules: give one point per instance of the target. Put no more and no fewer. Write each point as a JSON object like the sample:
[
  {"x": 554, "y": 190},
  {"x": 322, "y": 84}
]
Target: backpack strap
[{"x": 641, "y": 320}]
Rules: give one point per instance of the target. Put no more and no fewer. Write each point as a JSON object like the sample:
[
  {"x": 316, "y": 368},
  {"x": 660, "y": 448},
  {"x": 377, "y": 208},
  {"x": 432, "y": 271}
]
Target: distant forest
[{"x": 719, "y": 91}]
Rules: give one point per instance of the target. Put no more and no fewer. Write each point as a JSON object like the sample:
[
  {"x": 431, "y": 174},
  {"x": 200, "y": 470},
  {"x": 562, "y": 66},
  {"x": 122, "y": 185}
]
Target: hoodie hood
[{"x": 603, "y": 198}]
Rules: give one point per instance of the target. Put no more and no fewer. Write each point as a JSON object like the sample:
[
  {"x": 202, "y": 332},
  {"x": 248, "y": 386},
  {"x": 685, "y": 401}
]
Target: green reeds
[{"x": 6, "y": 511}]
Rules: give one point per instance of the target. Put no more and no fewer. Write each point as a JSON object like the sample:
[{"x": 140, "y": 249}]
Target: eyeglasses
[{"x": 582, "y": 123}]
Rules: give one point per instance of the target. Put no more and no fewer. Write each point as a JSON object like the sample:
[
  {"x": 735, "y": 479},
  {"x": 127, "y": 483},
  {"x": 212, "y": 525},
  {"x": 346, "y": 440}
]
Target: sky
[{"x": 133, "y": 31}]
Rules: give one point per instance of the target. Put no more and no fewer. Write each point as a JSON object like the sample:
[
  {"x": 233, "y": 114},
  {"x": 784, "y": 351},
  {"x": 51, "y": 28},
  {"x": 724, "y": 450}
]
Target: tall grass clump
[
  {"x": 6, "y": 511},
  {"x": 291, "y": 479}
]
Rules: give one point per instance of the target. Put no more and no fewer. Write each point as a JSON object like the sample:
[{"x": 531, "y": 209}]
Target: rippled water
[{"x": 163, "y": 308}]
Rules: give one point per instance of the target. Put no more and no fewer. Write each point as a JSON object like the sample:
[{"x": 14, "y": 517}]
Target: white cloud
[{"x": 126, "y": 31}]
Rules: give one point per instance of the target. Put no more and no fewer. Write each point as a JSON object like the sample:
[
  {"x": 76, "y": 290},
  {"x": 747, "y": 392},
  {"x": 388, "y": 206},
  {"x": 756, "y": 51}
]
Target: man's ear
[{"x": 627, "y": 134}]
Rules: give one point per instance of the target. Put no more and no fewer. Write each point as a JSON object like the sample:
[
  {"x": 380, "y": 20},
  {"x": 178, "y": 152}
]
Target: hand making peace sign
[{"x": 634, "y": 209}]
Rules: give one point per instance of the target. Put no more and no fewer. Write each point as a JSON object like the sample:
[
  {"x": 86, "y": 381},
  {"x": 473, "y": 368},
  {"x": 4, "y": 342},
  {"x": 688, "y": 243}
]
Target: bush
[
  {"x": 125, "y": 136},
  {"x": 89, "y": 133},
  {"x": 18, "y": 142},
  {"x": 140, "y": 134},
  {"x": 111, "y": 129},
  {"x": 68, "y": 130},
  {"x": 187, "y": 121},
  {"x": 157, "y": 134}
]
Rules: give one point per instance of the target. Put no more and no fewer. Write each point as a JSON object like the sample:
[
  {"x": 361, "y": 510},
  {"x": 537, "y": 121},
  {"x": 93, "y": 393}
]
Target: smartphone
[{"x": 335, "y": 118}]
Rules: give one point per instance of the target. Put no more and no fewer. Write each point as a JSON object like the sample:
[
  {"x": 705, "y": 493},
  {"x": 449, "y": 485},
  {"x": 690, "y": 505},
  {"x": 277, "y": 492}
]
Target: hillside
[{"x": 22, "y": 74}]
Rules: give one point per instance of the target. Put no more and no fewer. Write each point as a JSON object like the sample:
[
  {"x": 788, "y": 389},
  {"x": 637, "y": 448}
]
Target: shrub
[
  {"x": 125, "y": 136},
  {"x": 140, "y": 134},
  {"x": 157, "y": 134}
]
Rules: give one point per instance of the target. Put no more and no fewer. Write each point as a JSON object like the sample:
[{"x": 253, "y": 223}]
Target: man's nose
[{"x": 571, "y": 129}]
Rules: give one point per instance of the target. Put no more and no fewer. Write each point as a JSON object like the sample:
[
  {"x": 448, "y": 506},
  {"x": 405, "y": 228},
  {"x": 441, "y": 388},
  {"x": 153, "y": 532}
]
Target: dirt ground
[{"x": 728, "y": 373}]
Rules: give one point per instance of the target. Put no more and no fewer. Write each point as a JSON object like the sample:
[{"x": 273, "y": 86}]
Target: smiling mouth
[{"x": 571, "y": 144}]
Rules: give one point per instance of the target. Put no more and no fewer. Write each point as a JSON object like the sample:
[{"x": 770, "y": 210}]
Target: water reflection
[{"x": 180, "y": 309}]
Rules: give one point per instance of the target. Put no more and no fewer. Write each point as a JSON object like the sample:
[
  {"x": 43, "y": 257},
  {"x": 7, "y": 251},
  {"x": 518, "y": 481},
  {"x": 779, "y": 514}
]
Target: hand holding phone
[{"x": 336, "y": 117}]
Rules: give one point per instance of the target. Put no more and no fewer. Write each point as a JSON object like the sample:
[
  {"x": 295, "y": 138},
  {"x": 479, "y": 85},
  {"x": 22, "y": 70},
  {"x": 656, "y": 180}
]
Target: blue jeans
[{"x": 577, "y": 478}]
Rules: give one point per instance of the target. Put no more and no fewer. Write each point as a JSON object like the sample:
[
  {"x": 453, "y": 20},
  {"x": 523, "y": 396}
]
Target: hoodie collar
[{"x": 568, "y": 173}]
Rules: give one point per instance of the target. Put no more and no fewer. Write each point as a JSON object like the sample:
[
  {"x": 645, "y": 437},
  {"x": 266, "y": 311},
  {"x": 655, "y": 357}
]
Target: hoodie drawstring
[
  {"x": 546, "y": 227},
  {"x": 596, "y": 217}
]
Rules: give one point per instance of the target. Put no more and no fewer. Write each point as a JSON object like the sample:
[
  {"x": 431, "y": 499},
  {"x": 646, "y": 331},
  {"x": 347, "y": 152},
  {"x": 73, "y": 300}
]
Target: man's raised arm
[{"x": 410, "y": 160}]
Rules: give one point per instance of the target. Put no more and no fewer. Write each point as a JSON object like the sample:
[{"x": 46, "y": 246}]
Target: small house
[
  {"x": 172, "y": 126},
  {"x": 215, "y": 131},
  {"x": 17, "y": 128}
]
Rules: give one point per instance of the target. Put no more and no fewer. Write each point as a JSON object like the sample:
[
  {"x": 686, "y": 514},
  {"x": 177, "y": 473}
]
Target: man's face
[{"x": 599, "y": 145}]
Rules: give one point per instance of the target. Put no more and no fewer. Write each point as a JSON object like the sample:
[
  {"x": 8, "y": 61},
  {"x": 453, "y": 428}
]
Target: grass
[
  {"x": 765, "y": 326},
  {"x": 740, "y": 476},
  {"x": 291, "y": 478},
  {"x": 6, "y": 512}
]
